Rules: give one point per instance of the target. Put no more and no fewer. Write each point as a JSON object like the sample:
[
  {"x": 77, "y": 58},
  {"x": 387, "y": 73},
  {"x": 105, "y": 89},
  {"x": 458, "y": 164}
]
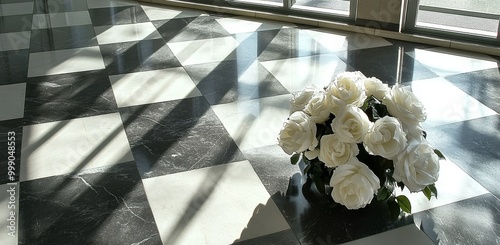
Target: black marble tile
[
  {"x": 472, "y": 145},
  {"x": 62, "y": 38},
  {"x": 59, "y": 6},
  {"x": 234, "y": 80},
  {"x": 170, "y": 29},
  {"x": 483, "y": 85},
  {"x": 282, "y": 237},
  {"x": 177, "y": 136},
  {"x": 14, "y": 66},
  {"x": 68, "y": 96},
  {"x": 15, "y": 23},
  {"x": 103, "y": 206},
  {"x": 313, "y": 216},
  {"x": 255, "y": 43},
  {"x": 280, "y": 44},
  {"x": 273, "y": 167},
  {"x": 145, "y": 55},
  {"x": 387, "y": 64},
  {"x": 189, "y": 29},
  {"x": 11, "y": 132},
  {"x": 118, "y": 15},
  {"x": 471, "y": 221}
]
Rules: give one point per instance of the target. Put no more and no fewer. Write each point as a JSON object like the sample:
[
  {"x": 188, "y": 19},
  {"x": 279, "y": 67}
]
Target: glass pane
[
  {"x": 482, "y": 6},
  {"x": 479, "y": 17},
  {"x": 338, "y": 7}
]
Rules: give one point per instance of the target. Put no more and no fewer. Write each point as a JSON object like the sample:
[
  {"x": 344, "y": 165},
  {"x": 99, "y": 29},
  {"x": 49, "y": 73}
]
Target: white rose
[
  {"x": 354, "y": 184},
  {"x": 311, "y": 154},
  {"x": 347, "y": 88},
  {"x": 298, "y": 133},
  {"x": 375, "y": 87},
  {"x": 334, "y": 152},
  {"x": 403, "y": 104},
  {"x": 301, "y": 99},
  {"x": 414, "y": 132},
  {"x": 385, "y": 138},
  {"x": 318, "y": 107},
  {"x": 351, "y": 124},
  {"x": 417, "y": 166}
]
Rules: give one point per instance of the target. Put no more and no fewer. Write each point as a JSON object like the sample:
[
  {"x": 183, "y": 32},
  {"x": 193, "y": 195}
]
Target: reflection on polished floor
[{"x": 144, "y": 124}]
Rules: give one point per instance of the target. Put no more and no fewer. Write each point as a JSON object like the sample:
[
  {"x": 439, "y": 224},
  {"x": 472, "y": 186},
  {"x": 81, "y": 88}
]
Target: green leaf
[
  {"x": 295, "y": 158},
  {"x": 427, "y": 192},
  {"x": 383, "y": 193},
  {"x": 394, "y": 209},
  {"x": 430, "y": 191},
  {"x": 433, "y": 190},
  {"x": 366, "y": 103},
  {"x": 440, "y": 155},
  {"x": 404, "y": 203},
  {"x": 318, "y": 181}
]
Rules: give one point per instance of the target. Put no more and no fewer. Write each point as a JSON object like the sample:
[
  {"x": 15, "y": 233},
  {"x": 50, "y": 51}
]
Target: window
[{"x": 465, "y": 19}]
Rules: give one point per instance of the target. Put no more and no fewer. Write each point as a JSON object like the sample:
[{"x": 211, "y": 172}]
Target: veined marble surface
[{"x": 136, "y": 123}]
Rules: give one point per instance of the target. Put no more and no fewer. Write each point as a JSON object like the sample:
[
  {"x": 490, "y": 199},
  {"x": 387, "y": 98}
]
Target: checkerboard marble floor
[{"x": 136, "y": 123}]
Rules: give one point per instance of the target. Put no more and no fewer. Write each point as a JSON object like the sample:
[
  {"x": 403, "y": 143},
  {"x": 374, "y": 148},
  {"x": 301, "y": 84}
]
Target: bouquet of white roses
[{"x": 364, "y": 139}]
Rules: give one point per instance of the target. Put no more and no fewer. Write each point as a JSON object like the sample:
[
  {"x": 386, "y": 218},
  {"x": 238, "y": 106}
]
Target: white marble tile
[
  {"x": 410, "y": 234},
  {"x": 453, "y": 185},
  {"x": 152, "y": 86},
  {"x": 245, "y": 24},
  {"x": 448, "y": 62},
  {"x": 445, "y": 103},
  {"x": 254, "y": 123},
  {"x": 9, "y": 224},
  {"x": 65, "y": 61},
  {"x": 217, "y": 205},
  {"x": 43, "y": 21},
  {"x": 63, "y": 147},
  {"x": 110, "y": 3},
  {"x": 161, "y": 12},
  {"x": 126, "y": 33},
  {"x": 234, "y": 25},
  {"x": 297, "y": 73},
  {"x": 16, "y": 9},
  {"x": 339, "y": 41},
  {"x": 12, "y": 101},
  {"x": 203, "y": 51},
  {"x": 15, "y": 40}
]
